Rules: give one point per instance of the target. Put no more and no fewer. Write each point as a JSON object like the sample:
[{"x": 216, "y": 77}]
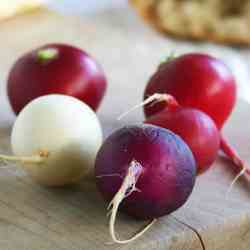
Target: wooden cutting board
[{"x": 37, "y": 218}]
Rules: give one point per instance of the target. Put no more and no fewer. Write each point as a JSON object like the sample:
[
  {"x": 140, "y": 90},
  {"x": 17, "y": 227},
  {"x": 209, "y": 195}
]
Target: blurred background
[
  {"x": 11, "y": 7},
  {"x": 85, "y": 6},
  {"x": 113, "y": 27}
]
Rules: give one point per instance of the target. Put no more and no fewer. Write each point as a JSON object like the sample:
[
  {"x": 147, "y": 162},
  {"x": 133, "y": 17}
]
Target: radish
[
  {"x": 56, "y": 139},
  {"x": 56, "y": 69},
  {"x": 198, "y": 81},
  {"x": 195, "y": 127},
  {"x": 195, "y": 80},
  {"x": 146, "y": 170}
]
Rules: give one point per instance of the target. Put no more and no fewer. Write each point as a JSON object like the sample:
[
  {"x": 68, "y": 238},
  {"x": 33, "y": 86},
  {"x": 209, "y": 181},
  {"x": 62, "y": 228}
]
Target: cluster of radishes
[
  {"x": 54, "y": 90},
  {"x": 148, "y": 170}
]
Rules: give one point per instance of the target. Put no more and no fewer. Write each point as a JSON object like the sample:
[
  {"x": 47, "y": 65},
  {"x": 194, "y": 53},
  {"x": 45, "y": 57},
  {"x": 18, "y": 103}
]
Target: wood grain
[{"x": 34, "y": 217}]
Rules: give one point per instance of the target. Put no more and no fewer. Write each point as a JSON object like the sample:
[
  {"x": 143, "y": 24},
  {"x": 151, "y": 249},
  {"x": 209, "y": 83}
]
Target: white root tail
[
  {"x": 232, "y": 154},
  {"x": 241, "y": 173},
  {"x": 127, "y": 188},
  {"x": 35, "y": 159},
  {"x": 153, "y": 99}
]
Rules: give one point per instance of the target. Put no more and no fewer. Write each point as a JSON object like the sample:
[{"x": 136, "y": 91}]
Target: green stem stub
[
  {"x": 167, "y": 59},
  {"x": 47, "y": 54}
]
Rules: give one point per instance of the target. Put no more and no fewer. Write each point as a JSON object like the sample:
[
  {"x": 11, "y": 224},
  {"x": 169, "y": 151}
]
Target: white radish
[{"x": 56, "y": 139}]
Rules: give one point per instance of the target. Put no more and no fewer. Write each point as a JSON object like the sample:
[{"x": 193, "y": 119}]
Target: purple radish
[{"x": 146, "y": 170}]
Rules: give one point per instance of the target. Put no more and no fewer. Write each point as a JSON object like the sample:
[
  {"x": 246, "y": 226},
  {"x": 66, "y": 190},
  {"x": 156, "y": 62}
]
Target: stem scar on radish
[
  {"x": 198, "y": 81},
  {"x": 158, "y": 171},
  {"x": 56, "y": 69},
  {"x": 56, "y": 138},
  {"x": 152, "y": 100}
]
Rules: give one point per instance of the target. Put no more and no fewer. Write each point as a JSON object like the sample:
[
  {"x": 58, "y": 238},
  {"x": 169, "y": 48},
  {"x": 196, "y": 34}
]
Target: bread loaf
[{"x": 226, "y": 21}]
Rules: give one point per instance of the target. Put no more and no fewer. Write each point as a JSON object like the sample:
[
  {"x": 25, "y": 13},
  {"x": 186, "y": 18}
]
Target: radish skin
[{"x": 56, "y": 139}]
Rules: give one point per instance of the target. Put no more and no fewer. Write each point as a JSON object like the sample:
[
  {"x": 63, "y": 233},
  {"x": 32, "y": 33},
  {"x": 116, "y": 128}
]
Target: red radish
[
  {"x": 147, "y": 170},
  {"x": 56, "y": 69},
  {"x": 198, "y": 81},
  {"x": 195, "y": 127},
  {"x": 195, "y": 80}
]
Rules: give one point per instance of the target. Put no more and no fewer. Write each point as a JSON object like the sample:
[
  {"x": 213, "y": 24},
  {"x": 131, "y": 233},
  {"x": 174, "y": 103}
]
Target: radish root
[
  {"x": 233, "y": 155},
  {"x": 238, "y": 162},
  {"x": 241, "y": 173},
  {"x": 34, "y": 159},
  {"x": 153, "y": 99},
  {"x": 127, "y": 188}
]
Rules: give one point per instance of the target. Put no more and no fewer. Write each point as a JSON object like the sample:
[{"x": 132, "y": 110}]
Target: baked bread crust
[{"x": 181, "y": 19}]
